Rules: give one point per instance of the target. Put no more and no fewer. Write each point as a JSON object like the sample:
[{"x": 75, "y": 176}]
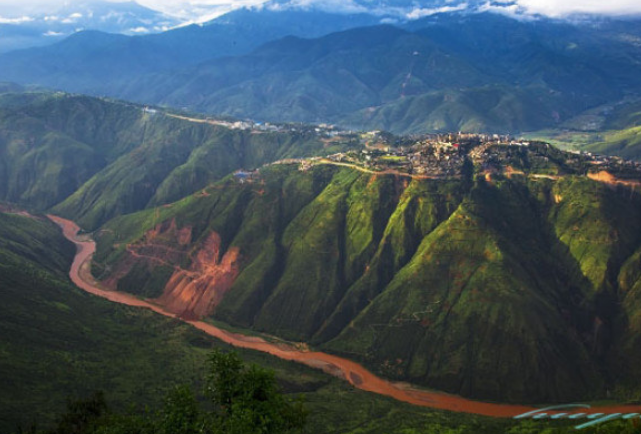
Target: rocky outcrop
[{"x": 194, "y": 293}]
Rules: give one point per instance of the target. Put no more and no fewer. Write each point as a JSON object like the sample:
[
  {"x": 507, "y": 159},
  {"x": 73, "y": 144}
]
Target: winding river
[{"x": 346, "y": 369}]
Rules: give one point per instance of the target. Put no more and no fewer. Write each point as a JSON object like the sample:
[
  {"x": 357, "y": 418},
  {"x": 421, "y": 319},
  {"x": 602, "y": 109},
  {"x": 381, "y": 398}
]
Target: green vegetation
[
  {"x": 624, "y": 143},
  {"x": 242, "y": 400},
  {"x": 247, "y": 400},
  {"x": 461, "y": 285},
  {"x": 446, "y": 72},
  {"x": 610, "y": 131},
  {"x": 510, "y": 288},
  {"x": 60, "y": 343},
  {"x": 105, "y": 158}
]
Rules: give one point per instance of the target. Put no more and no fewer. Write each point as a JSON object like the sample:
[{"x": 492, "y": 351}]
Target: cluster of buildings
[{"x": 451, "y": 155}]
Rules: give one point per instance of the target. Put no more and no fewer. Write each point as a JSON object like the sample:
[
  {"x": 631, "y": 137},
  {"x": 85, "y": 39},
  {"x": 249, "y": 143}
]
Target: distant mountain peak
[{"x": 29, "y": 27}]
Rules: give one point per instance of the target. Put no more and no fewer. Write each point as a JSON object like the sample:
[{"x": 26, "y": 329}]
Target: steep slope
[
  {"x": 96, "y": 62},
  {"x": 312, "y": 80},
  {"x": 445, "y": 72},
  {"x": 613, "y": 129},
  {"x": 176, "y": 158},
  {"x": 537, "y": 74},
  {"x": 105, "y": 158},
  {"x": 58, "y": 342},
  {"x": 497, "y": 108},
  {"x": 485, "y": 289},
  {"x": 51, "y": 144}
]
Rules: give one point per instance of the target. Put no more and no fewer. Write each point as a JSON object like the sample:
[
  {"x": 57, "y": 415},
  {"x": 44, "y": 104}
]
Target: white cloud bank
[
  {"x": 556, "y": 8},
  {"x": 199, "y": 11},
  {"x": 418, "y": 8},
  {"x": 17, "y": 20}
]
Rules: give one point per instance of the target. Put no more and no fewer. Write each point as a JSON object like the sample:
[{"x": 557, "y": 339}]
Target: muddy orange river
[{"x": 348, "y": 370}]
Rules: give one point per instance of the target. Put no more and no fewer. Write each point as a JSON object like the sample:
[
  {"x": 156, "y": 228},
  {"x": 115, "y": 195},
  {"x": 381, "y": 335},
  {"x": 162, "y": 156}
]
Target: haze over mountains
[
  {"x": 24, "y": 26},
  {"x": 455, "y": 71}
]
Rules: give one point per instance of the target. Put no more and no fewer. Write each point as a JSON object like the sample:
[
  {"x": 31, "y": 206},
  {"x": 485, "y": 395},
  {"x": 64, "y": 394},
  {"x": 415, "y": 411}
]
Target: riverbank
[{"x": 346, "y": 369}]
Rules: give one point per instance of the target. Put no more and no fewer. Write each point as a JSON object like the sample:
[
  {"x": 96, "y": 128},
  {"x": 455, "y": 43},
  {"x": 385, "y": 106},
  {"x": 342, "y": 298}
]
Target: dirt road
[{"x": 348, "y": 370}]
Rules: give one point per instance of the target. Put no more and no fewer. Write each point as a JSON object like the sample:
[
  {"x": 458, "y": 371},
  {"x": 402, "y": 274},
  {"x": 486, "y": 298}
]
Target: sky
[{"x": 204, "y": 10}]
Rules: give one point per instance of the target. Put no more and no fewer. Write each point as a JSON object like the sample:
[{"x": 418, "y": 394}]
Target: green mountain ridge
[
  {"x": 104, "y": 158},
  {"x": 511, "y": 276},
  {"x": 362, "y": 77},
  {"x": 609, "y": 130},
  {"x": 483, "y": 289},
  {"x": 447, "y": 72},
  {"x": 60, "y": 343}
]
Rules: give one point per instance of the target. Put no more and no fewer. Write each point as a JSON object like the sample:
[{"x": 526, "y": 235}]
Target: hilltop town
[{"x": 439, "y": 156}]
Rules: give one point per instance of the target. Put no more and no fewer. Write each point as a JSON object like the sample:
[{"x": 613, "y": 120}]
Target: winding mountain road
[{"x": 348, "y": 370}]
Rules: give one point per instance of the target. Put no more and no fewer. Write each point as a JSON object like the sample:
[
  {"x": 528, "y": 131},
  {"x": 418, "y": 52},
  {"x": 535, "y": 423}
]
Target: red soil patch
[
  {"x": 192, "y": 293},
  {"x": 201, "y": 288},
  {"x": 164, "y": 245}
]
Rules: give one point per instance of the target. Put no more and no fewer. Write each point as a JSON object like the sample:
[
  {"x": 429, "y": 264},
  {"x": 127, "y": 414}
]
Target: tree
[
  {"x": 247, "y": 399},
  {"x": 181, "y": 413},
  {"x": 82, "y": 416}
]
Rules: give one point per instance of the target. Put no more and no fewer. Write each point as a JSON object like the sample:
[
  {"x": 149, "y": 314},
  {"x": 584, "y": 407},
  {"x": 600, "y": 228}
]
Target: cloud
[
  {"x": 19, "y": 20},
  {"x": 52, "y": 33},
  {"x": 555, "y": 8},
  {"x": 200, "y": 11},
  {"x": 338, "y": 6},
  {"x": 417, "y": 13},
  {"x": 511, "y": 10},
  {"x": 72, "y": 18},
  {"x": 139, "y": 30}
]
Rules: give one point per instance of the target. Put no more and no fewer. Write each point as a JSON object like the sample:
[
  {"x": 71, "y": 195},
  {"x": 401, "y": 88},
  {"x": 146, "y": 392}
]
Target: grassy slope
[
  {"x": 60, "y": 342},
  {"x": 480, "y": 72},
  {"x": 426, "y": 280},
  {"x": 625, "y": 143},
  {"x": 619, "y": 132},
  {"x": 496, "y": 108},
  {"x": 51, "y": 144},
  {"x": 105, "y": 158}
]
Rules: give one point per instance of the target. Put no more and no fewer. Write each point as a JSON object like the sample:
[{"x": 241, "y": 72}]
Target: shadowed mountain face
[
  {"x": 519, "y": 289},
  {"x": 59, "y": 342},
  {"x": 107, "y": 158},
  {"x": 534, "y": 75},
  {"x": 88, "y": 60},
  {"x": 447, "y": 72}
]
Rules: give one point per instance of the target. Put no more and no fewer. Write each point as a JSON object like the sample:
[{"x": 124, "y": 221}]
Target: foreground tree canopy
[{"x": 238, "y": 399}]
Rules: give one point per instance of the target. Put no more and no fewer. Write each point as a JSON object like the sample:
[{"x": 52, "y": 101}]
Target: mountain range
[
  {"x": 482, "y": 283},
  {"x": 444, "y": 72},
  {"x": 27, "y": 27},
  {"x": 482, "y": 289},
  {"x": 365, "y": 179}
]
